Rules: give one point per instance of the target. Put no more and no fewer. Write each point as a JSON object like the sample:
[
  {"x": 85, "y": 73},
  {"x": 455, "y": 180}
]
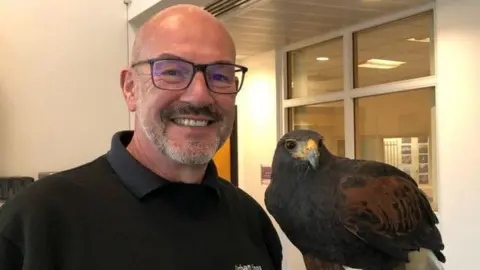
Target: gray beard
[{"x": 157, "y": 136}]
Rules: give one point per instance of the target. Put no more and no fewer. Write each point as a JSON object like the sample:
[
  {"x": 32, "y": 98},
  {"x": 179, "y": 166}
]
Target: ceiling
[{"x": 262, "y": 25}]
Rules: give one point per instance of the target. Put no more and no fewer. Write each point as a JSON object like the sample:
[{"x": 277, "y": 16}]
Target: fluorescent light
[
  {"x": 425, "y": 40},
  {"x": 322, "y": 58},
  {"x": 381, "y": 64}
]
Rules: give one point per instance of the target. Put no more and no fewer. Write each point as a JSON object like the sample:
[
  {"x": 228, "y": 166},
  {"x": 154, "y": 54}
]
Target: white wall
[
  {"x": 257, "y": 133},
  {"x": 458, "y": 129},
  {"x": 60, "y": 96},
  {"x": 138, "y": 7},
  {"x": 257, "y": 122}
]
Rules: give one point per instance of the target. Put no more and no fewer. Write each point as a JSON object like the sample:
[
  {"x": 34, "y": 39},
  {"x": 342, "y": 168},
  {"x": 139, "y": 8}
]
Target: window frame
[{"x": 350, "y": 93}]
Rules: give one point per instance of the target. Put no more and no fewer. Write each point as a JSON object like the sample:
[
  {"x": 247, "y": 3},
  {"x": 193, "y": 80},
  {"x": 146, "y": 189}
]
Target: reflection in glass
[
  {"x": 325, "y": 118},
  {"x": 315, "y": 70},
  {"x": 398, "y": 129},
  {"x": 396, "y": 51}
]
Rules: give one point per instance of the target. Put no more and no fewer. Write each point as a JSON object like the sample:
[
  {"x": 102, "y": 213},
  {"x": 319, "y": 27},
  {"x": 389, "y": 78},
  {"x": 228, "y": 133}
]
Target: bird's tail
[{"x": 439, "y": 255}]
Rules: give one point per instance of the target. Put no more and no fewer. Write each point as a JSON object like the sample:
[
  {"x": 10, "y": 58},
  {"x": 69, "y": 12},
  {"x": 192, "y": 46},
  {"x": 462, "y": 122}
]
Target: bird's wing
[
  {"x": 384, "y": 211},
  {"x": 378, "y": 169}
]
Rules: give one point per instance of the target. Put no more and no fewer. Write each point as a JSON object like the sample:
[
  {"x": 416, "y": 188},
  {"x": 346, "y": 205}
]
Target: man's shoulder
[
  {"x": 51, "y": 191},
  {"x": 70, "y": 178}
]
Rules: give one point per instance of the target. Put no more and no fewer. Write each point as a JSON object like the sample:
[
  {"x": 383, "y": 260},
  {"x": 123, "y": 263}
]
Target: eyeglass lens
[{"x": 177, "y": 74}]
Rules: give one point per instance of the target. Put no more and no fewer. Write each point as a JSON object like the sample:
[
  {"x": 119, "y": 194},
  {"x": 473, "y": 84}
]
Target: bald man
[{"x": 154, "y": 200}]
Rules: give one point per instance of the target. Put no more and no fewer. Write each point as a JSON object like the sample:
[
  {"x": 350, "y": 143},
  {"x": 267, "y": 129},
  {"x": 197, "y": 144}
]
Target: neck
[{"x": 146, "y": 153}]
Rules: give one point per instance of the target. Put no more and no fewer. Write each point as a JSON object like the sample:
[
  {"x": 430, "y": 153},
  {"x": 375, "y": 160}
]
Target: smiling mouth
[{"x": 192, "y": 122}]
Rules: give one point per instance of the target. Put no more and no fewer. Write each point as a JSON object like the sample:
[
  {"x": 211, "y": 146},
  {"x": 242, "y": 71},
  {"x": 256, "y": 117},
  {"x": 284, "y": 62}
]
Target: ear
[{"x": 127, "y": 83}]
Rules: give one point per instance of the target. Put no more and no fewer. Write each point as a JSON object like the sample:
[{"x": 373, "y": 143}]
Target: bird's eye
[{"x": 290, "y": 145}]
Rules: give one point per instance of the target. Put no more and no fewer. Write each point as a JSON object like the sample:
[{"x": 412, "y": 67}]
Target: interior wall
[
  {"x": 257, "y": 124},
  {"x": 60, "y": 99},
  {"x": 257, "y": 133},
  {"x": 458, "y": 128}
]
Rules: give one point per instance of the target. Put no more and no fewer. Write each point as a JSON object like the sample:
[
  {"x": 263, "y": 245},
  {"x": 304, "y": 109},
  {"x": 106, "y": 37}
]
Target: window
[
  {"x": 391, "y": 122},
  {"x": 317, "y": 69},
  {"x": 397, "y": 129},
  {"x": 326, "y": 118},
  {"x": 395, "y": 51}
]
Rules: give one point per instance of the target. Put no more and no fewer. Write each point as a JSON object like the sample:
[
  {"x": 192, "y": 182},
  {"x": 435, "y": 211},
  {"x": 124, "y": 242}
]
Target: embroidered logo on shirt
[{"x": 247, "y": 267}]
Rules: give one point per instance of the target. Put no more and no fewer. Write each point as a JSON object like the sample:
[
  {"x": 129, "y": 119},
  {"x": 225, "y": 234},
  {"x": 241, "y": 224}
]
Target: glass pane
[
  {"x": 396, "y": 51},
  {"x": 317, "y": 69},
  {"x": 399, "y": 129},
  {"x": 326, "y": 118}
]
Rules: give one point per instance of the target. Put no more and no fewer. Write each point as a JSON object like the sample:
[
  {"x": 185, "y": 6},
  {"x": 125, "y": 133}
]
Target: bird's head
[{"x": 304, "y": 146}]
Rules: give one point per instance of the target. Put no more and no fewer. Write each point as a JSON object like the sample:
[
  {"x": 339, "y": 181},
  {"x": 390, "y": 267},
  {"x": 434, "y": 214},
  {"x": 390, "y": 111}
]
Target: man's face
[{"x": 187, "y": 125}]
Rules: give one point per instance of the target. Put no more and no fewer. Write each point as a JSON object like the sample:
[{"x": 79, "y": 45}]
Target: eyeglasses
[{"x": 178, "y": 74}]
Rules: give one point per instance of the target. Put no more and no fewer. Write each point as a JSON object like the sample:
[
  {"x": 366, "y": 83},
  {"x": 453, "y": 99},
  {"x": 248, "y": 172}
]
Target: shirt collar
[{"x": 139, "y": 179}]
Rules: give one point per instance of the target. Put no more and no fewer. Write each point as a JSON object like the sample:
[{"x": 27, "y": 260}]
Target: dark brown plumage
[{"x": 338, "y": 211}]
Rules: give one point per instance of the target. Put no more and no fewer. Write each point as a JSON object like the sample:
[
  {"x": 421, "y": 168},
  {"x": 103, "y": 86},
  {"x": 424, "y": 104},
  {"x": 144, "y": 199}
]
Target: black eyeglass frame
[{"x": 196, "y": 68}]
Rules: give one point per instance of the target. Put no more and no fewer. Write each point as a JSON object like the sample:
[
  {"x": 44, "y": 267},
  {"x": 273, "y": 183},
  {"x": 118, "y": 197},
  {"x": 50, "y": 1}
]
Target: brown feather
[
  {"x": 391, "y": 200},
  {"x": 312, "y": 263},
  {"x": 391, "y": 205}
]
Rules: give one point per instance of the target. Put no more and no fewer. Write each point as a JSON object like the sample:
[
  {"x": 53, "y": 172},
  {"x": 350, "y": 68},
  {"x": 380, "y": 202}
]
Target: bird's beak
[{"x": 312, "y": 153}]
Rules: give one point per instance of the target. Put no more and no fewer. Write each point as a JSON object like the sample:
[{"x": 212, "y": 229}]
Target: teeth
[{"x": 190, "y": 122}]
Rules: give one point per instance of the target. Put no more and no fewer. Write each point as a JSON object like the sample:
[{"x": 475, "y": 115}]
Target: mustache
[{"x": 180, "y": 109}]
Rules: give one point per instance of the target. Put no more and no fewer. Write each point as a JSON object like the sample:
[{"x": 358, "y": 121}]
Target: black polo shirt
[{"x": 115, "y": 214}]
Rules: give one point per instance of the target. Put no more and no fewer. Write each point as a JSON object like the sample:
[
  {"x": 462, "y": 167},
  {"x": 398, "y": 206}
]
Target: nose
[{"x": 198, "y": 92}]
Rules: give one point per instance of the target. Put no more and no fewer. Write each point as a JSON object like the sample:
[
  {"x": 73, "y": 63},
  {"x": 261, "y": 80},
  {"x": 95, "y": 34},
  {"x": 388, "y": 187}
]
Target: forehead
[{"x": 198, "y": 44}]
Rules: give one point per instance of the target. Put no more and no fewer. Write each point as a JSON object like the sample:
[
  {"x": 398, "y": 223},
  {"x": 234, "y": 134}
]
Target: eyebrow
[{"x": 176, "y": 57}]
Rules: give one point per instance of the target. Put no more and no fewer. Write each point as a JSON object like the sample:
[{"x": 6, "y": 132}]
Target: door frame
[{"x": 234, "y": 151}]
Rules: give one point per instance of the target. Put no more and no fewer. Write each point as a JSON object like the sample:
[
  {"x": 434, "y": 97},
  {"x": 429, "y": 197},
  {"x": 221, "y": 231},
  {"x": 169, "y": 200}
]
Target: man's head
[{"x": 182, "y": 84}]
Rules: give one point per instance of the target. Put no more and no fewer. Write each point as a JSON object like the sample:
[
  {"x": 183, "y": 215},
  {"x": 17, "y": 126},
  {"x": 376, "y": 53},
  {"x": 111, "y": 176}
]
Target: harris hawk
[{"x": 342, "y": 212}]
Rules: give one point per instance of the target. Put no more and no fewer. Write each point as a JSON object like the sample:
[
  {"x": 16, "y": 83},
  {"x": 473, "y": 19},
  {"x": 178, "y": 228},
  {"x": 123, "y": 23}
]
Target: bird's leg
[{"x": 312, "y": 263}]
